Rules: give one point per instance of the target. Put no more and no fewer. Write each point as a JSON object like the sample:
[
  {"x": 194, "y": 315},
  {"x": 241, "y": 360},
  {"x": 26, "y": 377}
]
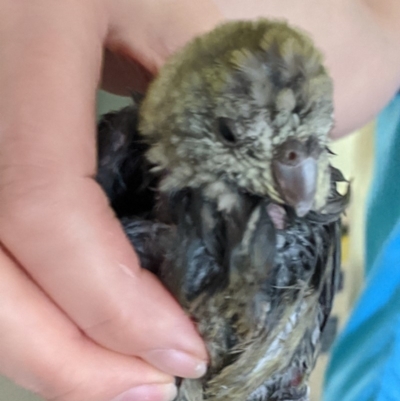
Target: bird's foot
[{"x": 277, "y": 215}]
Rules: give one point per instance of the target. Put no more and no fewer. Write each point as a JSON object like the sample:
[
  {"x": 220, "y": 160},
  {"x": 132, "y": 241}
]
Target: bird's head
[{"x": 249, "y": 103}]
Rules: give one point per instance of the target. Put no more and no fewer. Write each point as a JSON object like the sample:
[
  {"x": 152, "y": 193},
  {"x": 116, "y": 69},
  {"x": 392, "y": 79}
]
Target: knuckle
[
  {"x": 57, "y": 380},
  {"x": 113, "y": 328},
  {"x": 24, "y": 195}
]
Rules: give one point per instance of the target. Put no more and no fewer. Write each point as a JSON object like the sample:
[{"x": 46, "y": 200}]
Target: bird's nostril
[
  {"x": 291, "y": 152},
  {"x": 292, "y": 156}
]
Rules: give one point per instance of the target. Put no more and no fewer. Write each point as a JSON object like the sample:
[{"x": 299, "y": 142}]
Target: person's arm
[{"x": 360, "y": 40}]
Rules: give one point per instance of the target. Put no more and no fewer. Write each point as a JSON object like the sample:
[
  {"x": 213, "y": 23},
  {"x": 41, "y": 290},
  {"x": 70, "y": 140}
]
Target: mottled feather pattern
[
  {"x": 304, "y": 265},
  {"x": 189, "y": 173},
  {"x": 265, "y": 77}
]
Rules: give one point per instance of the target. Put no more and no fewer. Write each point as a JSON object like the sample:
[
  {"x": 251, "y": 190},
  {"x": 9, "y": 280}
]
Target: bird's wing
[
  {"x": 124, "y": 175},
  {"x": 123, "y": 171},
  {"x": 150, "y": 239}
]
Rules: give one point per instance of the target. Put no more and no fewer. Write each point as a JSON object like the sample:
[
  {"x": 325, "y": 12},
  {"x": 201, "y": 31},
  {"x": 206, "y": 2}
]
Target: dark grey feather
[
  {"x": 243, "y": 281},
  {"x": 123, "y": 172}
]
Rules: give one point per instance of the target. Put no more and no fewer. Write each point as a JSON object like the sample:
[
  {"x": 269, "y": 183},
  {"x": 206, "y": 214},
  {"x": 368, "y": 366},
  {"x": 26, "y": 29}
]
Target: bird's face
[{"x": 249, "y": 104}]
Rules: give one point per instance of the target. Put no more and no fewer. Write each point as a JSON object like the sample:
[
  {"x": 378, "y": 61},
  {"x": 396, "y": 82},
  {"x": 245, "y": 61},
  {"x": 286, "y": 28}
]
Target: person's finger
[
  {"x": 162, "y": 27},
  {"x": 54, "y": 218},
  {"x": 43, "y": 351},
  {"x": 138, "y": 47},
  {"x": 71, "y": 244}
]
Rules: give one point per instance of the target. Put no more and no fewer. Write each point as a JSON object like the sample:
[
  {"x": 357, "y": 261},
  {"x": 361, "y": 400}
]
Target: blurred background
[{"x": 354, "y": 156}]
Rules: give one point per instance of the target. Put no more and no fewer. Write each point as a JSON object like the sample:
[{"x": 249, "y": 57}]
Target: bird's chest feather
[{"x": 252, "y": 289}]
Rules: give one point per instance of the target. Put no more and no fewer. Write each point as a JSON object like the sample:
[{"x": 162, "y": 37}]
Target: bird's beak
[{"x": 295, "y": 170}]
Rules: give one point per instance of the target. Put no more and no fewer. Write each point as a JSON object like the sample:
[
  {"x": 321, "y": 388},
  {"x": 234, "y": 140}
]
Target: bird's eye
[{"x": 225, "y": 131}]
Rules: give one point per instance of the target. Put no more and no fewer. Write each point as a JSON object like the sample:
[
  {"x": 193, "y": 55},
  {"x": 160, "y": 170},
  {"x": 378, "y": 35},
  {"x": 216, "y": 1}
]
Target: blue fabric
[
  {"x": 384, "y": 205},
  {"x": 365, "y": 363}
]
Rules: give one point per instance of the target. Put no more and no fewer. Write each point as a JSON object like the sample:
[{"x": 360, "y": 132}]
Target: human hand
[{"x": 79, "y": 320}]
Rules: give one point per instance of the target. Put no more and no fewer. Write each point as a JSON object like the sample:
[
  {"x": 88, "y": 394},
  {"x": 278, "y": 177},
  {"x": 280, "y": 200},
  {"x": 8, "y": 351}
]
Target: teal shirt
[{"x": 365, "y": 362}]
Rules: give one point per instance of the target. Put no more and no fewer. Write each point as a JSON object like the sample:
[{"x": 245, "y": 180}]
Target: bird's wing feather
[{"x": 123, "y": 171}]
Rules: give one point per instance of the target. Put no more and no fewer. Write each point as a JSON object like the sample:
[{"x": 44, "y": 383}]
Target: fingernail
[
  {"x": 176, "y": 363},
  {"x": 149, "y": 392}
]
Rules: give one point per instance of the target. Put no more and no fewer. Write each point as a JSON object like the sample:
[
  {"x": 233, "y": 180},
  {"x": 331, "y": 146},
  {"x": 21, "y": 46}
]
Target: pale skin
[{"x": 79, "y": 319}]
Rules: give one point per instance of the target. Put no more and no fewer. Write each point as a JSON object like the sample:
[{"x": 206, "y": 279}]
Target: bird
[{"x": 221, "y": 177}]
